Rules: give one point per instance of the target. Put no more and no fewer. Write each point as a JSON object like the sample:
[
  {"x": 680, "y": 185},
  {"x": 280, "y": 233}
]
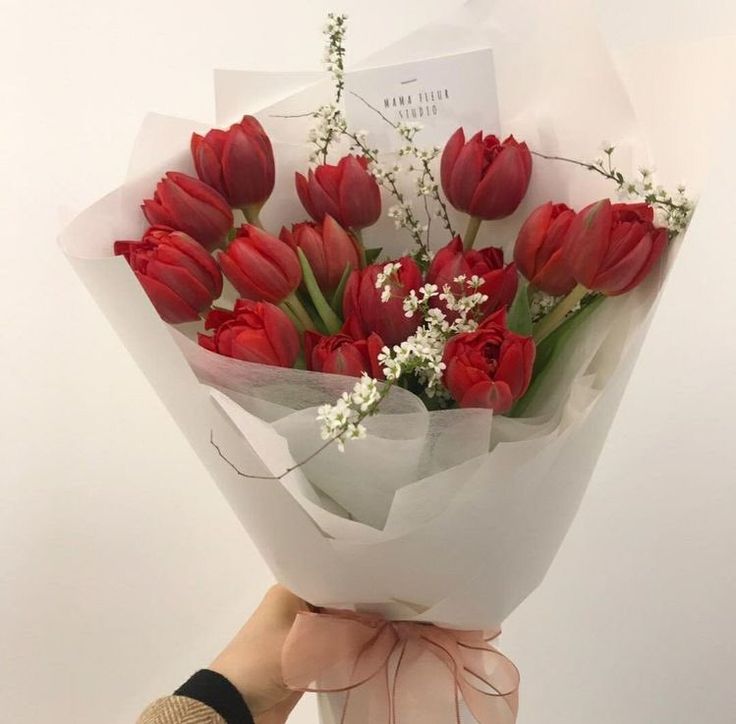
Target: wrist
[{"x": 244, "y": 676}]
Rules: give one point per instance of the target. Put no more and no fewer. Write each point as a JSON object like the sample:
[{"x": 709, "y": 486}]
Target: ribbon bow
[{"x": 400, "y": 672}]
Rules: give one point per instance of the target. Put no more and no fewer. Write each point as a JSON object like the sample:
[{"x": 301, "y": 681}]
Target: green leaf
[
  {"x": 547, "y": 351},
  {"x": 336, "y": 301},
  {"x": 324, "y": 310},
  {"x": 372, "y": 254},
  {"x": 519, "y": 318}
]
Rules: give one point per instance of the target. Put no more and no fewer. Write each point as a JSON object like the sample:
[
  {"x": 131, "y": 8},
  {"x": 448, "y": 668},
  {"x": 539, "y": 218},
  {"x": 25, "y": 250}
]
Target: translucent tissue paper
[{"x": 449, "y": 517}]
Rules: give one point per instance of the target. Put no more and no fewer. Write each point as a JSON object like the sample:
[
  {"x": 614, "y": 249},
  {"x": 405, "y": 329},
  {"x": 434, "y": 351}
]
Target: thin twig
[
  {"x": 269, "y": 477},
  {"x": 293, "y": 115},
  {"x": 375, "y": 110},
  {"x": 426, "y": 170},
  {"x": 612, "y": 175}
]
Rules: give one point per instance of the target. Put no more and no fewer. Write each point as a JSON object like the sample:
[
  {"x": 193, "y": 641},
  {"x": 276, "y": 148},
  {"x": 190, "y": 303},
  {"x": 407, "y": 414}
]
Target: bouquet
[{"x": 398, "y": 360}]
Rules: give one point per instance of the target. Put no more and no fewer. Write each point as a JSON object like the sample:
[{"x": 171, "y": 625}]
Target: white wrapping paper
[{"x": 450, "y": 517}]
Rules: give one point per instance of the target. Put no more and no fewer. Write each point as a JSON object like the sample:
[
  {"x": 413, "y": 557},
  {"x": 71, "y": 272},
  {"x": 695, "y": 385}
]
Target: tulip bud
[
  {"x": 347, "y": 192},
  {"x": 179, "y": 276},
  {"x": 260, "y": 266},
  {"x": 610, "y": 248},
  {"x": 499, "y": 281},
  {"x": 484, "y": 177},
  {"x": 490, "y": 367},
  {"x": 341, "y": 354},
  {"x": 238, "y": 163},
  {"x": 328, "y": 247},
  {"x": 538, "y": 251},
  {"x": 254, "y": 332},
  {"x": 186, "y": 204},
  {"x": 363, "y": 302}
]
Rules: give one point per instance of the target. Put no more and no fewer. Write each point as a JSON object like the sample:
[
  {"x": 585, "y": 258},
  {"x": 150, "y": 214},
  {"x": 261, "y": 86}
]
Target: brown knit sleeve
[{"x": 179, "y": 710}]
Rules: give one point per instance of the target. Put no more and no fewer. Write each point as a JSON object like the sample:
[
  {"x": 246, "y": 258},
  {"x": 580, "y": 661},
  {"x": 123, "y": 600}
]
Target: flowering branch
[
  {"x": 340, "y": 422},
  {"x": 421, "y": 354},
  {"x": 426, "y": 183},
  {"x": 334, "y": 63},
  {"x": 676, "y": 208},
  {"x": 402, "y": 212},
  {"x": 332, "y": 125},
  {"x": 343, "y": 420}
]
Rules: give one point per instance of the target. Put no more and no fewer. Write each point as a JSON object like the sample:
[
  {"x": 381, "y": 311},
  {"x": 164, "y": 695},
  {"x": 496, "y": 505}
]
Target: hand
[{"x": 252, "y": 660}]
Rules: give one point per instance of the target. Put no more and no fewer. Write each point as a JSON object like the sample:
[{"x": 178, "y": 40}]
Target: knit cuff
[{"x": 216, "y": 692}]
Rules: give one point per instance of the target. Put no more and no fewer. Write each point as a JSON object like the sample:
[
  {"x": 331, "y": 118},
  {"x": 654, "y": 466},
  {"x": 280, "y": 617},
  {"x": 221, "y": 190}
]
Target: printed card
[{"x": 441, "y": 94}]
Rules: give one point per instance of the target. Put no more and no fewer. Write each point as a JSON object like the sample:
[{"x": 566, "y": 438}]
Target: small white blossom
[
  {"x": 342, "y": 421},
  {"x": 388, "y": 274}
]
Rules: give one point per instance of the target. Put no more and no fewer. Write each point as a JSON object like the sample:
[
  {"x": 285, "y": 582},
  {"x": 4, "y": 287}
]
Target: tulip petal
[
  {"x": 200, "y": 191},
  {"x": 466, "y": 174},
  {"x": 192, "y": 207},
  {"x": 491, "y": 395},
  {"x": 374, "y": 346},
  {"x": 527, "y": 249},
  {"x": 207, "y": 162},
  {"x": 500, "y": 285},
  {"x": 302, "y": 190},
  {"x": 322, "y": 202},
  {"x": 181, "y": 281},
  {"x": 449, "y": 157},
  {"x": 659, "y": 244},
  {"x": 206, "y": 341},
  {"x": 155, "y": 213},
  {"x": 359, "y": 196},
  {"x": 199, "y": 259},
  {"x": 253, "y": 345},
  {"x": 282, "y": 334},
  {"x": 247, "y": 169},
  {"x": 329, "y": 177},
  {"x": 511, "y": 368},
  {"x": 503, "y": 186},
  {"x": 170, "y": 306},
  {"x": 618, "y": 277},
  {"x": 554, "y": 278},
  {"x": 587, "y": 241},
  {"x": 346, "y": 360}
]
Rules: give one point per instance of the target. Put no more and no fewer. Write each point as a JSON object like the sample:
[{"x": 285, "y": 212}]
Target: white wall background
[{"x": 121, "y": 567}]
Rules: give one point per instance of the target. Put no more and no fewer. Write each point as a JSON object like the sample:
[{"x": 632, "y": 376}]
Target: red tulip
[
  {"x": 255, "y": 332},
  {"x": 347, "y": 192},
  {"x": 499, "y": 281},
  {"x": 238, "y": 162},
  {"x": 491, "y": 367},
  {"x": 179, "y": 276},
  {"x": 539, "y": 253},
  {"x": 186, "y": 204},
  {"x": 362, "y": 302},
  {"x": 341, "y": 354},
  {"x": 610, "y": 248},
  {"x": 484, "y": 177},
  {"x": 328, "y": 248},
  {"x": 260, "y": 266}
]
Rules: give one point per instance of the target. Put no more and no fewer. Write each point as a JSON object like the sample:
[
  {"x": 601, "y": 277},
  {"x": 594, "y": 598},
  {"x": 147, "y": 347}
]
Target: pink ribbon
[{"x": 400, "y": 672}]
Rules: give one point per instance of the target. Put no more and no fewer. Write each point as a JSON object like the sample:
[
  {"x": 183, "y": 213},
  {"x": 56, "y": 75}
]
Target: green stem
[
  {"x": 333, "y": 323},
  {"x": 284, "y": 307},
  {"x": 557, "y": 316},
  {"x": 297, "y": 309},
  {"x": 252, "y": 214},
  {"x": 361, "y": 247},
  {"x": 471, "y": 232}
]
